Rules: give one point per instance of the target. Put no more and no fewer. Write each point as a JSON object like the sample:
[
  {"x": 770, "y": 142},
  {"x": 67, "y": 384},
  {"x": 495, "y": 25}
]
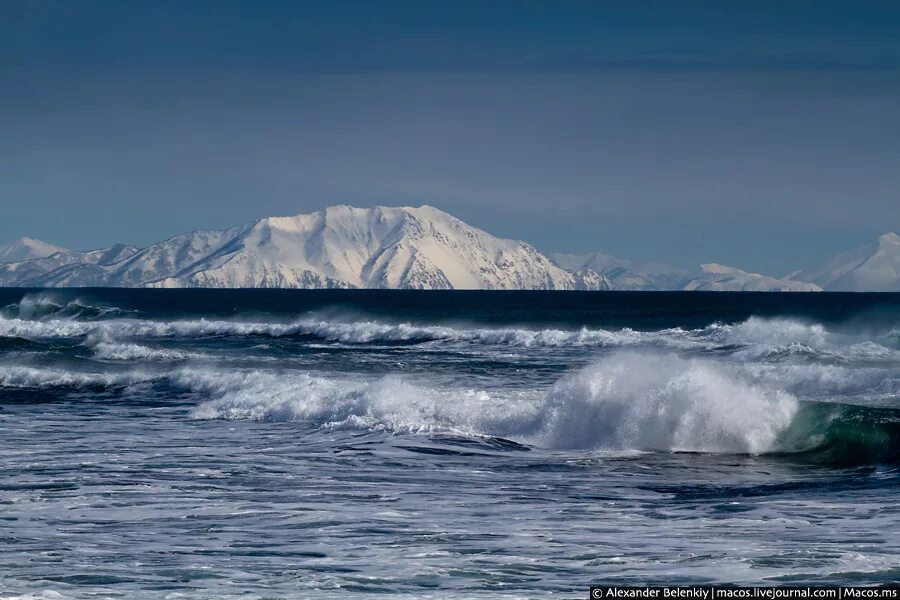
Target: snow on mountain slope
[
  {"x": 719, "y": 278},
  {"x": 381, "y": 247},
  {"x": 341, "y": 246},
  {"x": 624, "y": 274},
  {"x": 874, "y": 267},
  {"x": 633, "y": 275},
  {"x": 403, "y": 248},
  {"x": 65, "y": 269},
  {"x": 26, "y": 248}
]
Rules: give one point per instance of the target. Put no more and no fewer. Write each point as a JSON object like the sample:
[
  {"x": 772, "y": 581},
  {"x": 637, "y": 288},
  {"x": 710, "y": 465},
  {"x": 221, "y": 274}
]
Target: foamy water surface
[{"x": 164, "y": 444}]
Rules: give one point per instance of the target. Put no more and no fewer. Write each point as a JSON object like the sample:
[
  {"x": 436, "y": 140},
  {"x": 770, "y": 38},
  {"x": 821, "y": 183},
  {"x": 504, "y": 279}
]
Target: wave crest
[
  {"x": 641, "y": 402},
  {"x": 626, "y": 402},
  {"x": 387, "y": 403},
  {"x": 755, "y": 339},
  {"x": 41, "y": 305},
  {"x": 35, "y": 378}
]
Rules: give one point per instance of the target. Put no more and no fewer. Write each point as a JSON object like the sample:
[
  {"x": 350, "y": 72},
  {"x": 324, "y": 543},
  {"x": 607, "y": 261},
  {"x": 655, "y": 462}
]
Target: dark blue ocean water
[{"x": 325, "y": 444}]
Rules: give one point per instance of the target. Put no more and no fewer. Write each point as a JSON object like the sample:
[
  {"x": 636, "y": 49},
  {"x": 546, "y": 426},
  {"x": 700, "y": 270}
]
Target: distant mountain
[
  {"x": 65, "y": 269},
  {"x": 404, "y": 248},
  {"x": 339, "y": 247},
  {"x": 649, "y": 276},
  {"x": 623, "y": 274},
  {"x": 26, "y": 248},
  {"x": 719, "y": 278},
  {"x": 874, "y": 267}
]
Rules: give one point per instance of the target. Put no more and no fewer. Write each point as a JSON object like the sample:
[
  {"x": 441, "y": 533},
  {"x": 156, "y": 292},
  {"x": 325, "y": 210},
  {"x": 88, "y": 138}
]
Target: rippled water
[{"x": 211, "y": 444}]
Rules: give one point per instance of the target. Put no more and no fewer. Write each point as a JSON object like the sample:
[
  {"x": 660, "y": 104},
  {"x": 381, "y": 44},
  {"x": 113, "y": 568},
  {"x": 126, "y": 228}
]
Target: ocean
[{"x": 188, "y": 444}]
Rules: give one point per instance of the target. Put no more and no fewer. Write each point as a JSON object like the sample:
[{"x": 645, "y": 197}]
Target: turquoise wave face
[{"x": 840, "y": 434}]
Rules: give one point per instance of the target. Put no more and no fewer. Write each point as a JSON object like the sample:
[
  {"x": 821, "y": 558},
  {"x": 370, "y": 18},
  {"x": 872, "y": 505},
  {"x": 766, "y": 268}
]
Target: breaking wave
[
  {"x": 49, "y": 304},
  {"x": 132, "y": 352},
  {"x": 641, "y": 402},
  {"x": 355, "y": 332},
  {"x": 760, "y": 386},
  {"x": 387, "y": 403},
  {"x": 626, "y": 402},
  {"x": 33, "y": 378},
  {"x": 755, "y": 338}
]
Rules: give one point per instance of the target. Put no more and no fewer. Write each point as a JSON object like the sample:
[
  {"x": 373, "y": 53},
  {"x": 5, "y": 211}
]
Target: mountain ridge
[
  {"x": 26, "y": 248},
  {"x": 872, "y": 267},
  {"x": 337, "y": 247},
  {"x": 624, "y": 274},
  {"x": 405, "y": 247}
]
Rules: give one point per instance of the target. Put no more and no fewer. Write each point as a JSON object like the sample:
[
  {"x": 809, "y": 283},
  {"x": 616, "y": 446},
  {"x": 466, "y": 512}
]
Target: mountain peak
[
  {"x": 26, "y": 248},
  {"x": 392, "y": 247},
  {"x": 872, "y": 267},
  {"x": 336, "y": 211},
  {"x": 337, "y": 247},
  {"x": 717, "y": 269},
  {"x": 889, "y": 238},
  {"x": 722, "y": 278}
]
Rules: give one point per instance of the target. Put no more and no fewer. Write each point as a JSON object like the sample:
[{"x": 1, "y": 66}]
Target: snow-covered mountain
[
  {"x": 403, "y": 248},
  {"x": 624, "y": 274},
  {"x": 69, "y": 268},
  {"x": 339, "y": 247},
  {"x": 874, "y": 267},
  {"x": 26, "y": 248},
  {"x": 719, "y": 278},
  {"x": 649, "y": 276}
]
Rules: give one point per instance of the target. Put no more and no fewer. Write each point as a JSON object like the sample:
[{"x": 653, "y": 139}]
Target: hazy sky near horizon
[{"x": 763, "y": 134}]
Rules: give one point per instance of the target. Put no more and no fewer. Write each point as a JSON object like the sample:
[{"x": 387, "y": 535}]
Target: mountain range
[{"x": 403, "y": 248}]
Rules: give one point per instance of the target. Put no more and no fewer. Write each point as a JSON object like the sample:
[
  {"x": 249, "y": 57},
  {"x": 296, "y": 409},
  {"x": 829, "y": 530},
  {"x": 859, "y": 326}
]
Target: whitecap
[{"x": 628, "y": 401}]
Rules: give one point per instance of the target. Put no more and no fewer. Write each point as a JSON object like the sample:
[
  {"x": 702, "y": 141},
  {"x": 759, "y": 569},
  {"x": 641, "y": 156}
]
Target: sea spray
[
  {"x": 628, "y": 401},
  {"x": 663, "y": 402}
]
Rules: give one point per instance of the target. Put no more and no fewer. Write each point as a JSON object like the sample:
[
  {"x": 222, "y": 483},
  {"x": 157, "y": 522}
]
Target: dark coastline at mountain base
[{"x": 199, "y": 444}]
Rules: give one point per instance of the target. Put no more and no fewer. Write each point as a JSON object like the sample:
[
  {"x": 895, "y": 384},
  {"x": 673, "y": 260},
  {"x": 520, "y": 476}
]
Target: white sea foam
[
  {"x": 36, "y": 305},
  {"x": 49, "y": 315},
  {"x": 40, "y": 595},
  {"x": 56, "y": 328},
  {"x": 624, "y": 401},
  {"x": 756, "y": 337},
  {"x": 387, "y": 403},
  {"x": 627, "y": 401},
  {"x": 757, "y": 331},
  {"x": 873, "y": 351},
  {"x": 33, "y": 377},
  {"x": 821, "y": 381},
  {"x": 132, "y": 352},
  {"x": 46, "y": 304},
  {"x": 662, "y": 402},
  {"x": 350, "y": 332}
]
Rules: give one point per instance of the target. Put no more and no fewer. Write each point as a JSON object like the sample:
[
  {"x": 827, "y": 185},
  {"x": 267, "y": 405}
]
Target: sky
[{"x": 760, "y": 134}]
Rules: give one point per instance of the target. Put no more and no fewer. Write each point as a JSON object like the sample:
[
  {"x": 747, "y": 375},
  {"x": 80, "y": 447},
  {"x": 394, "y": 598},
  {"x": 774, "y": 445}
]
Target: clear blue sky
[{"x": 763, "y": 134}]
